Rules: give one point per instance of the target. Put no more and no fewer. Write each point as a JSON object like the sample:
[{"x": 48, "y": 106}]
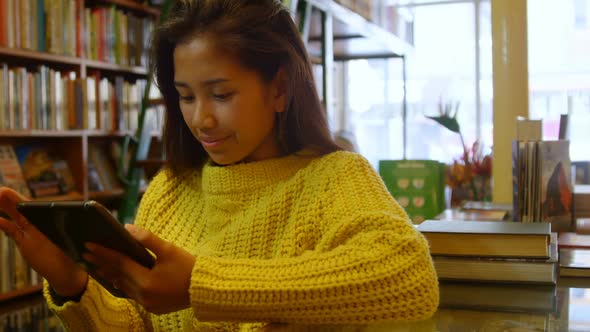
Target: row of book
[
  {"x": 28, "y": 315},
  {"x": 542, "y": 178},
  {"x": 67, "y": 27},
  {"x": 15, "y": 273},
  {"x": 47, "y": 99},
  {"x": 34, "y": 171}
]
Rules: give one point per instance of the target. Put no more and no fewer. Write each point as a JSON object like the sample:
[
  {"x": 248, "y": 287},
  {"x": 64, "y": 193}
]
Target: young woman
[{"x": 258, "y": 217}]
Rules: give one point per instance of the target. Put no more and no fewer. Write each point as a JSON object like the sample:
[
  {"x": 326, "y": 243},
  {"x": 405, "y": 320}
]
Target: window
[
  {"x": 559, "y": 71},
  {"x": 581, "y": 14},
  {"x": 442, "y": 67}
]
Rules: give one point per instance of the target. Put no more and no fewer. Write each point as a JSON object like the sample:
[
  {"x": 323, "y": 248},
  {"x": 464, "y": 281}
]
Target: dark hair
[{"x": 263, "y": 37}]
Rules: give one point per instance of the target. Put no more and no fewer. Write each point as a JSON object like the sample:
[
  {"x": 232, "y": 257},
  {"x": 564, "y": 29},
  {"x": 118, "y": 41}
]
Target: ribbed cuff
[{"x": 61, "y": 300}]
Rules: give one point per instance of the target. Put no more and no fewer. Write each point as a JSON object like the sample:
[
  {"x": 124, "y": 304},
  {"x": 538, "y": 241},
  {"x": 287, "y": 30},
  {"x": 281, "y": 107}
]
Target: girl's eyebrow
[{"x": 207, "y": 82}]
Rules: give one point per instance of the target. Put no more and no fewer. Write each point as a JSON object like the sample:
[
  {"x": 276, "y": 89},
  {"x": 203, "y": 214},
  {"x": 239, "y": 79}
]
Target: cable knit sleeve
[{"x": 367, "y": 262}]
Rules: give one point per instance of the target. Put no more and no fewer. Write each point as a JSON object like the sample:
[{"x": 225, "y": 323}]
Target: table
[{"x": 565, "y": 307}]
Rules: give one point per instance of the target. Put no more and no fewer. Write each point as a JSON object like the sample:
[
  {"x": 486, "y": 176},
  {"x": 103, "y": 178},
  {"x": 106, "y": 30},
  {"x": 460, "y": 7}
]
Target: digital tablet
[{"x": 69, "y": 225}]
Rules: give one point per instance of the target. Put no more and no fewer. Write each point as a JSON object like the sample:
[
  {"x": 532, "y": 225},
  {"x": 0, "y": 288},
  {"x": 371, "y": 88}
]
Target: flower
[{"x": 474, "y": 165}]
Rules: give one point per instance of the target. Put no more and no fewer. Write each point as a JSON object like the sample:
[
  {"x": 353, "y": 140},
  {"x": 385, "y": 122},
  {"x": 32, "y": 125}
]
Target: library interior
[{"x": 473, "y": 114}]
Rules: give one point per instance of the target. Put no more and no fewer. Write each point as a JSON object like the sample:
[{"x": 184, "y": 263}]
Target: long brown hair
[{"x": 262, "y": 37}]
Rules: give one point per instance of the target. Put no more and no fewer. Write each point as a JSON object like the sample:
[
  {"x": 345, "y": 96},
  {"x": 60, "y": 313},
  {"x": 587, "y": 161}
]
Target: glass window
[
  {"x": 441, "y": 68},
  {"x": 559, "y": 69}
]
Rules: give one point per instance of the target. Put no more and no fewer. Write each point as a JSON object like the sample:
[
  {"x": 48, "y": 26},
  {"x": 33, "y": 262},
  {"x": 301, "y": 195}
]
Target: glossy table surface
[{"x": 516, "y": 308}]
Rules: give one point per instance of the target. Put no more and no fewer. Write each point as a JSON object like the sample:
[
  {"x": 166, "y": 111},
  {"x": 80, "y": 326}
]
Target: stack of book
[
  {"x": 492, "y": 251},
  {"x": 574, "y": 255}
]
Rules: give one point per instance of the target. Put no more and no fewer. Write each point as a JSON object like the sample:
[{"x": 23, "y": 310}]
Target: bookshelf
[
  {"x": 20, "y": 292},
  {"x": 92, "y": 48}
]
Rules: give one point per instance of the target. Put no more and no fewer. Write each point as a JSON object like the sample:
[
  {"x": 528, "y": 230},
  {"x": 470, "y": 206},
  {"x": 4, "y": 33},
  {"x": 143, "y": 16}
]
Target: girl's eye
[
  {"x": 222, "y": 96},
  {"x": 186, "y": 98}
]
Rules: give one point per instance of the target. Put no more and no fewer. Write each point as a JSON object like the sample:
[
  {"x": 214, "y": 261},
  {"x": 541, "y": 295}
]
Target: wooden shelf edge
[
  {"x": 42, "y": 133},
  {"x": 133, "y": 6},
  {"x": 366, "y": 28},
  {"x": 114, "y": 67},
  {"x": 41, "y": 56},
  {"x": 66, "y": 133},
  {"x": 20, "y": 292},
  {"x": 106, "y": 194},
  {"x": 69, "y": 60},
  {"x": 71, "y": 196}
]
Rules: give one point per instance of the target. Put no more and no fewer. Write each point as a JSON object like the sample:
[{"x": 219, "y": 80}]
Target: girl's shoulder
[{"x": 340, "y": 161}]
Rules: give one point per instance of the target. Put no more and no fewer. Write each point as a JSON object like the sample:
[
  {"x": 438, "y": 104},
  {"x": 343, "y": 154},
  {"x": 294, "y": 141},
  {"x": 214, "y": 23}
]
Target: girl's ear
[{"x": 279, "y": 91}]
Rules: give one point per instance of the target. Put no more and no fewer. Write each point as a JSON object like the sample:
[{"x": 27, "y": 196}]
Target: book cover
[
  {"x": 38, "y": 170},
  {"x": 105, "y": 168},
  {"x": 64, "y": 174},
  {"x": 472, "y": 215},
  {"x": 417, "y": 185},
  {"x": 11, "y": 174},
  {"x": 556, "y": 192}
]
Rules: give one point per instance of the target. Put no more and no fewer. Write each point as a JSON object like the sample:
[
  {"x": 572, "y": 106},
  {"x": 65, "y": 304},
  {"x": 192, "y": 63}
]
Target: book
[
  {"x": 496, "y": 269},
  {"x": 574, "y": 263},
  {"x": 472, "y": 215},
  {"x": 485, "y": 206},
  {"x": 64, "y": 174},
  {"x": 38, "y": 170},
  {"x": 487, "y": 238},
  {"x": 104, "y": 167},
  {"x": 556, "y": 192},
  {"x": 529, "y": 130},
  {"x": 417, "y": 185},
  {"x": 570, "y": 240},
  {"x": 581, "y": 201},
  {"x": 11, "y": 174},
  {"x": 498, "y": 297},
  {"x": 542, "y": 185}
]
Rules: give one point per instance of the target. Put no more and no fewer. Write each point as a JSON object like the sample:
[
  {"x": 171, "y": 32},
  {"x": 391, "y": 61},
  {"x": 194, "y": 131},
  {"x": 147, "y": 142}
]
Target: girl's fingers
[
  {"x": 11, "y": 230},
  {"x": 108, "y": 272},
  {"x": 8, "y": 200}
]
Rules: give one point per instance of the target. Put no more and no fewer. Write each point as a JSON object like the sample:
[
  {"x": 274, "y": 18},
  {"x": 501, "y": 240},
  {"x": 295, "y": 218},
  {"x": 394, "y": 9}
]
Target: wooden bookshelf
[
  {"x": 78, "y": 64},
  {"x": 106, "y": 195},
  {"x": 20, "y": 293},
  {"x": 93, "y": 64},
  {"x": 43, "y": 57},
  {"x": 73, "y": 145},
  {"x": 131, "y": 5}
]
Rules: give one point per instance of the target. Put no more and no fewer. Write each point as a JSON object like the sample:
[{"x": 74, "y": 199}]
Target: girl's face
[{"x": 229, "y": 109}]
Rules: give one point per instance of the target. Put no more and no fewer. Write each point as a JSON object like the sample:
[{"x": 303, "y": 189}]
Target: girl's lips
[{"x": 211, "y": 142}]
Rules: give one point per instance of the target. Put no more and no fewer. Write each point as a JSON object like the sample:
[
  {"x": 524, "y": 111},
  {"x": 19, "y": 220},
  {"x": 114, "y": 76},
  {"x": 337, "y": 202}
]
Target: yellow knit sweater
[{"x": 296, "y": 239}]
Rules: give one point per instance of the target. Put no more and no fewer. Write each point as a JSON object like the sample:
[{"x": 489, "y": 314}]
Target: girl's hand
[
  {"x": 164, "y": 288},
  {"x": 65, "y": 277}
]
